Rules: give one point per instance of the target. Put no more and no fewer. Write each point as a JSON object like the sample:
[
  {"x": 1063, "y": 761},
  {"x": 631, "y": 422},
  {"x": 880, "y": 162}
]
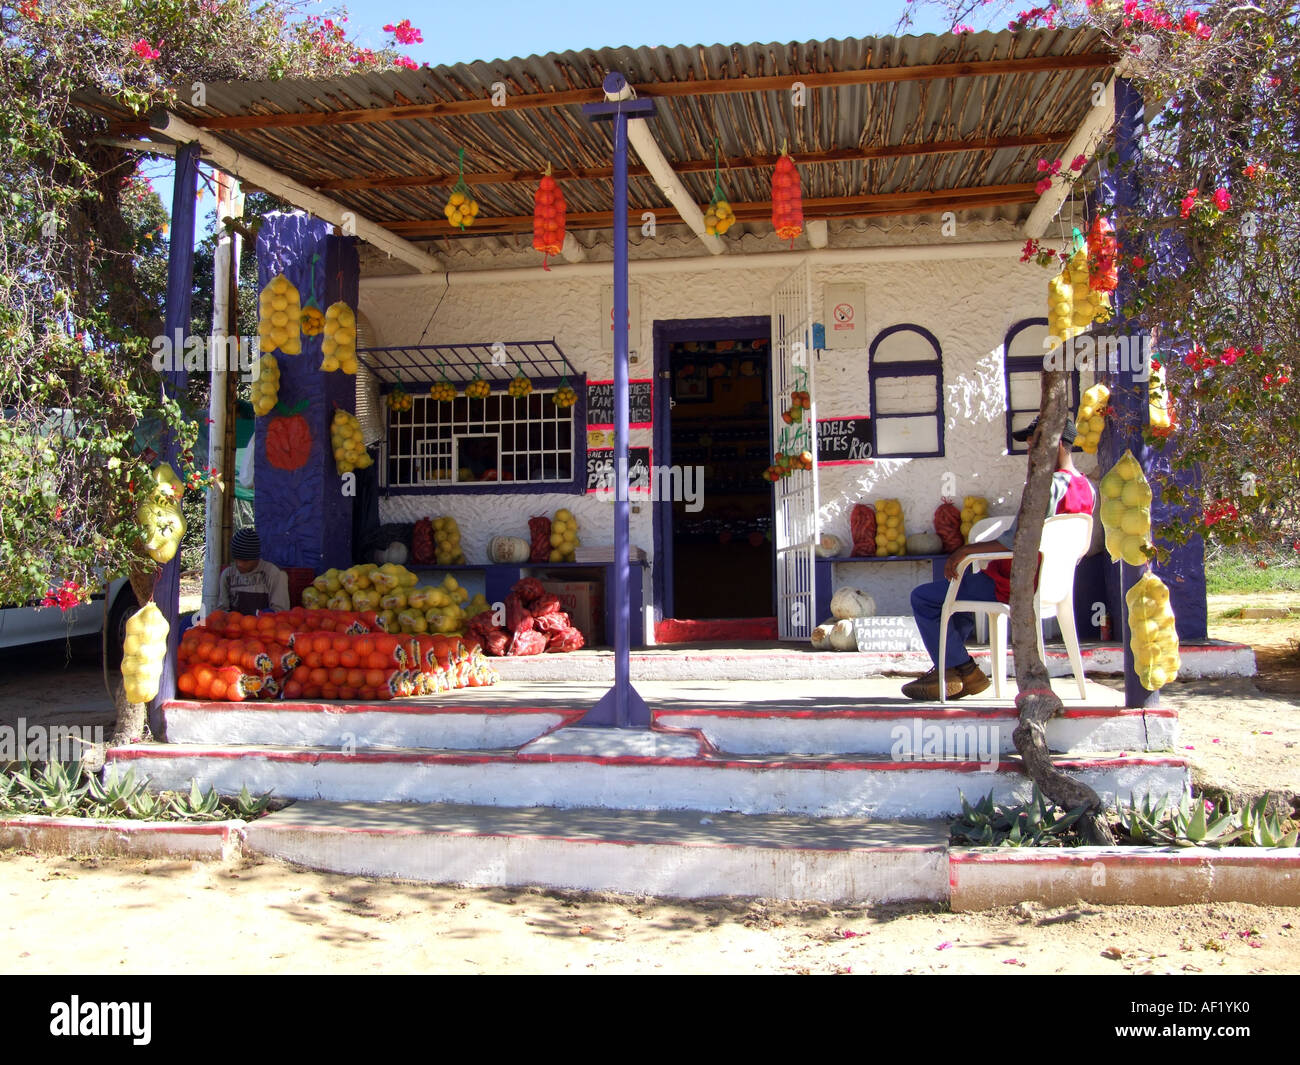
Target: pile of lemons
[
  {"x": 266, "y": 389},
  {"x": 891, "y": 537},
  {"x": 279, "y": 312},
  {"x": 564, "y": 536},
  {"x": 718, "y": 218},
  {"x": 973, "y": 509},
  {"x": 1092, "y": 417},
  {"x": 1126, "y": 511},
  {"x": 1072, "y": 305},
  {"x": 143, "y": 651},
  {"x": 1154, "y": 638},
  {"x": 339, "y": 348},
  {"x": 348, "y": 444},
  {"x": 446, "y": 542}
]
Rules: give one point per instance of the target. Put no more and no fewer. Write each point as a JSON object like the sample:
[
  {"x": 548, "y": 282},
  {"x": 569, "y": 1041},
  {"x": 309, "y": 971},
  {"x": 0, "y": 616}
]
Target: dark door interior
[{"x": 722, "y": 559}]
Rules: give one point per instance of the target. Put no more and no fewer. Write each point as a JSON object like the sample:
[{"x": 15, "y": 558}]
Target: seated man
[
  {"x": 1072, "y": 493},
  {"x": 249, "y": 584}
]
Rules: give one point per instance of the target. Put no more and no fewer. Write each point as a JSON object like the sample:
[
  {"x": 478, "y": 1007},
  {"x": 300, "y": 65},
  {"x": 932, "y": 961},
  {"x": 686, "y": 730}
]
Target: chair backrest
[
  {"x": 1065, "y": 540},
  {"x": 990, "y": 528}
]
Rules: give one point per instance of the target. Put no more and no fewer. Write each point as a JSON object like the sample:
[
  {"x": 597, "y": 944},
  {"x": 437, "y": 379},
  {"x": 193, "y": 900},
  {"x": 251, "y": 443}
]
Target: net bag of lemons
[
  {"x": 1126, "y": 511},
  {"x": 1153, "y": 637},
  {"x": 462, "y": 207}
]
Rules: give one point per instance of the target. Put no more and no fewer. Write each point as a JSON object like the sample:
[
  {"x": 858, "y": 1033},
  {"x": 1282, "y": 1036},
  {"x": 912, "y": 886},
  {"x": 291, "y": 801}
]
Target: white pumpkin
[
  {"x": 829, "y": 546},
  {"x": 503, "y": 549},
  {"x": 924, "y": 543},
  {"x": 843, "y": 637},
  {"x": 821, "y": 635},
  {"x": 396, "y": 553},
  {"x": 852, "y": 603}
]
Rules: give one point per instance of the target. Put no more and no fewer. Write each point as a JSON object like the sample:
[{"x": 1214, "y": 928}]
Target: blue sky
[{"x": 501, "y": 30}]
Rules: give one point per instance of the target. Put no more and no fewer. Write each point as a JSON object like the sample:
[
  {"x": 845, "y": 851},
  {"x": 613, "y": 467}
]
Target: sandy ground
[{"x": 277, "y": 919}]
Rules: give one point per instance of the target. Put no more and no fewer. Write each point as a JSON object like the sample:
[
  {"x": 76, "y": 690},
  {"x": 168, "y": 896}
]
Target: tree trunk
[{"x": 1037, "y": 703}]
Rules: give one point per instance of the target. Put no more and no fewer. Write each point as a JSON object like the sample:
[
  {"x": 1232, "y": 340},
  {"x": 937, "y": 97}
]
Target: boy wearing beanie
[{"x": 249, "y": 584}]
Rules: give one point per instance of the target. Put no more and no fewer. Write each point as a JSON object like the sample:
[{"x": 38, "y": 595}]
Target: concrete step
[
  {"x": 679, "y": 854},
  {"x": 775, "y": 660},
  {"x": 446, "y": 723},
  {"x": 635, "y": 769}
]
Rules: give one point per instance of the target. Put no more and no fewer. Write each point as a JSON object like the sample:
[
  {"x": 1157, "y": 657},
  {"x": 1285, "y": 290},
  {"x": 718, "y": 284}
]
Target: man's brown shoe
[
  {"x": 973, "y": 680},
  {"x": 927, "y": 687}
]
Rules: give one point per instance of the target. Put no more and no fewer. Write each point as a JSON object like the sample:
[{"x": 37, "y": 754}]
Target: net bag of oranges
[{"x": 462, "y": 207}]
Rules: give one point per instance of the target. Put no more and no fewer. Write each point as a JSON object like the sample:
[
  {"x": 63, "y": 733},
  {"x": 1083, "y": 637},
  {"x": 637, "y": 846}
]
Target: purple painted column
[
  {"x": 1129, "y": 391},
  {"x": 621, "y": 706},
  {"x": 304, "y": 515},
  {"x": 180, "y": 289}
]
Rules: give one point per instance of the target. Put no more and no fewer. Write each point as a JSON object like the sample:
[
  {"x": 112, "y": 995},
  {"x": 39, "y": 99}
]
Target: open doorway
[{"x": 714, "y": 556}]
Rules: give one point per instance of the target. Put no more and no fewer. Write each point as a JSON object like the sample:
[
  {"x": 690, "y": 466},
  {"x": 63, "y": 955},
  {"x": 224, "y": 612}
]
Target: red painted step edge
[{"x": 679, "y": 630}]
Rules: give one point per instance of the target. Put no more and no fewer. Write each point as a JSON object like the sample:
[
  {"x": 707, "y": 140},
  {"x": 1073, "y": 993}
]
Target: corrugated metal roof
[{"x": 746, "y": 124}]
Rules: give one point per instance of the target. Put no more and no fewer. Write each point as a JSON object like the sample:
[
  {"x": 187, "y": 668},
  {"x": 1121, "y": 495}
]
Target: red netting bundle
[
  {"x": 551, "y": 623},
  {"x": 518, "y": 619},
  {"x": 1103, "y": 255},
  {"x": 539, "y": 532},
  {"x": 530, "y": 588},
  {"x": 422, "y": 549},
  {"x": 565, "y": 640},
  {"x": 787, "y": 199},
  {"x": 947, "y": 523},
  {"x": 548, "y": 218},
  {"x": 527, "y": 643},
  {"x": 862, "y": 527}
]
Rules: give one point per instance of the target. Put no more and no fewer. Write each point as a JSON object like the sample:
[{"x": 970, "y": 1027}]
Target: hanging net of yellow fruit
[
  {"x": 718, "y": 216},
  {"x": 279, "y": 313},
  {"x": 462, "y": 207},
  {"x": 143, "y": 650},
  {"x": 1091, "y": 420},
  {"x": 564, "y": 396},
  {"x": 478, "y": 388},
  {"x": 519, "y": 386},
  {"x": 443, "y": 391},
  {"x": 311, "y": 321},
  {"x": 1126, "y": 511},
  {"x": 266, "y": 386},
  {"x": 339, "y": 348},
  {"x": 348, "y": 443},
  {"x": 399, "y": 399},
  {"x": 1153, "y": 635},
  {"x": 973, "y": 509},
  {"x": 891, "y": 537}
]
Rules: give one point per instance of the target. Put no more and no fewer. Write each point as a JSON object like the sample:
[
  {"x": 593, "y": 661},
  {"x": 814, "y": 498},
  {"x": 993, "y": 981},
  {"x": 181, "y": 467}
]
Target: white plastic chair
[
  {"x": 1064, "y": 541},
  {"x": 981, "y": 532}
]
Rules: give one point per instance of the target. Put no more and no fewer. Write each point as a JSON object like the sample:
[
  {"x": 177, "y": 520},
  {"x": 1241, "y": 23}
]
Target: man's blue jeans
[{"x": 927, "y": 607}]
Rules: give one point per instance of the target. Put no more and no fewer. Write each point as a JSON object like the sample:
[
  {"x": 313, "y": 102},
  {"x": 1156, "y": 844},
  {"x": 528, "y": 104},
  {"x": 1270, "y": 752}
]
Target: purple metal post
[
  {"x": 621, "y": 706},
  {"x": 180, "y": 288}
]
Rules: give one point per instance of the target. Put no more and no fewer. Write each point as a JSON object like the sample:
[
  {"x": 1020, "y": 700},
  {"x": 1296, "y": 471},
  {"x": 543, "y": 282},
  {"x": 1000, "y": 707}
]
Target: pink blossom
[
  {"x": 407, "y": 62},
  {"x": 145, "y": 50},
  {"x": 945, "y": 945},
  {"x": 1043, "y": 166},
  {"x": 1079, "y": 162},
  {"x": 962, "y": 28},
  {"x": 406, "y": 33},
  {"x": 1189, "y": 203},
  {"x": 1139, "y": 263},
  {"x": 1222, "y": 199},
  {"x": 1043, "y": 186},
  {"x": 1230, "y": 355}
]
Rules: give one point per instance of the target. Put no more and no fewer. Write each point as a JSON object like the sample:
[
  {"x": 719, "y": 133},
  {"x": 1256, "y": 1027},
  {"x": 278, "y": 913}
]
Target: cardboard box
[{"x": 584, "y": 602}]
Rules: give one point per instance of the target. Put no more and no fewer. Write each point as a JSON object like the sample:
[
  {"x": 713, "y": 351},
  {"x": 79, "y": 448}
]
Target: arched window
[
  {"x": 1022, "y": 367},
  {"x": 906, "y": 372}
]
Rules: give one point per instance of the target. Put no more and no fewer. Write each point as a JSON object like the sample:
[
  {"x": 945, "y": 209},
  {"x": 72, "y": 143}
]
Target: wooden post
[{"x": 180, "y": 288}]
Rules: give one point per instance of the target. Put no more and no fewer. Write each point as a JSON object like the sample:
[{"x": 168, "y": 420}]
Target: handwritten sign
[
  {"x": 884, "y": 633},
  {"x": 600, "y": 404},
  {"x": 600, "y": 471},
  {"x": 843, "y": 441}
]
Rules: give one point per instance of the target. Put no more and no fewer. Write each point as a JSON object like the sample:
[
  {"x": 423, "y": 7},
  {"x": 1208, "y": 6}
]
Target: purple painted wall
[{"x": 303, "y": 516}]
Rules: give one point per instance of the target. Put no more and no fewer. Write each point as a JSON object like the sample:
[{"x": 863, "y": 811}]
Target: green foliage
[
  {"x": 60, "y": 789},
  {"x": 1197, "y": 822},
  {"x": 1036, "y": 823},
  {"x": 83, "y": 255}
]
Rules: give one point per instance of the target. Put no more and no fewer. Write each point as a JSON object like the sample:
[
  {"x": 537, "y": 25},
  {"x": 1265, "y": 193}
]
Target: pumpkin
[
  {"x": 925, "y": 543},
  {"x": 288, "y": 440},
  {"x": 503, "y": 549},
  {"x": 821, "y": 635},
  {"x": 852, "y": 603},
  {"x": 311, "y": 321},
  {"x": 843, "y": 636}
]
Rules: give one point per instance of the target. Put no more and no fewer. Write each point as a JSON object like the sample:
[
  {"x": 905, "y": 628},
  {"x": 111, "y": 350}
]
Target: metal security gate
[{"x": 795, "y": 529}]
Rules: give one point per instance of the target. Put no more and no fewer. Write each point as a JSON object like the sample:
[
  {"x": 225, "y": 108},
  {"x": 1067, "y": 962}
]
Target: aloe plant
[
  {"x": 1036, "y": 823},
  {"x": 1196, "y": 822}
]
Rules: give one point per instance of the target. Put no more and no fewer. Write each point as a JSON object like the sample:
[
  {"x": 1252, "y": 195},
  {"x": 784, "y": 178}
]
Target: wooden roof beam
[
  {"x": 696, "y": 166},
  {"x": 702, "y": 87},
  {"x": 1086, "y": 140},
  {"x": 168, "y": 125}
]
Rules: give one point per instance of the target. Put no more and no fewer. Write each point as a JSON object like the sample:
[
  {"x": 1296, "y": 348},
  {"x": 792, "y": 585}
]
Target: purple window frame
[
  {"x": 1026, "y": 364},
  {"x": 576, "y": 486},
  {"x": 907, "y": 369}
]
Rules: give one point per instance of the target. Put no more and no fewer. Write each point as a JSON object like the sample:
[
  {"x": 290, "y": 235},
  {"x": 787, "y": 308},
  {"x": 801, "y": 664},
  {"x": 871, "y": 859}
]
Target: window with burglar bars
[
  {"x": 502, "y": 438},
  {"x": 906, "y": 371},
  {"x": 1022, "y": 362}
]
